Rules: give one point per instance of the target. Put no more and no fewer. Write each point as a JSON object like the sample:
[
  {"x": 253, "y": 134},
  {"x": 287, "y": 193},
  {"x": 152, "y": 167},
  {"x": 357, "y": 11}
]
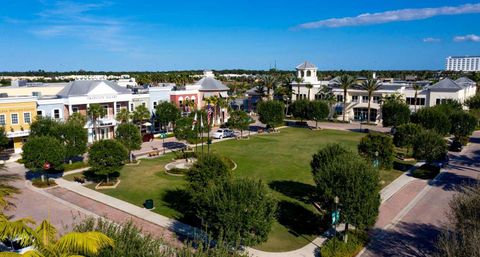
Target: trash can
[{"x": 148, "y": 204}]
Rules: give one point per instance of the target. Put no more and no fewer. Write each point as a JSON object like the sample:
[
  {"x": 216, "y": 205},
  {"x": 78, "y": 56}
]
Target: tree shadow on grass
[
  {"x": 180, "y": 200},
  {"x": 299, "y": 220},
  {"x": 296, "y": 190}
]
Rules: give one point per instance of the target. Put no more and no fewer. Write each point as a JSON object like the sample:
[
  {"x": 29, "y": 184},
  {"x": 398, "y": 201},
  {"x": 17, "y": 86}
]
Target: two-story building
[{"x": 16, "y": 115}]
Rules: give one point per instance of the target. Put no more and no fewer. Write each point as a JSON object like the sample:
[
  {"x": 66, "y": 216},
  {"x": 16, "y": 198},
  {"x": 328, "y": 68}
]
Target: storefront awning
[{"x": 224, "y": 94}]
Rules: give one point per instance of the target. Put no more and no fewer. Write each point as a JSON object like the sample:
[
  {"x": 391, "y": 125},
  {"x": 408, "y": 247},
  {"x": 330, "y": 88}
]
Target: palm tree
[
  {"x": 123, "y": 115},
  {"x": 329, "y": 98},
  {"x": 370, "y": 85},
  {"x": 309, "y": 86},
  {"x": 270, "y": 83},
  {"x": 345, "y": 81},
  {"x": 140, "y": 114},
  {"x": 298, "y": 81},
  {"x": 94, "y": 112},
  {"x": 45, "y": 243},
  {"x": 416, "y": 87},
  {"x": 213, "y": 101}
]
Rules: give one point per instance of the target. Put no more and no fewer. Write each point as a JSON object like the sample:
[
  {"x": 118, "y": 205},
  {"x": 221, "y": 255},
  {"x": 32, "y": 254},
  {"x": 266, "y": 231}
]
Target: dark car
[
  {"x": 456, "y": 146},
  {"x": 147, "y": 137}
]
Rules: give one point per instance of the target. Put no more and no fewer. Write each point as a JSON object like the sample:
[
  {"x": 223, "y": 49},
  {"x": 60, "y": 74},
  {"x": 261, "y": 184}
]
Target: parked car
[
  {"x": 456, "y": 146},
  {"x": 147, "y": 137},
  {"x": 223, "y": 133},
  {"x": 14, "y": 246}
]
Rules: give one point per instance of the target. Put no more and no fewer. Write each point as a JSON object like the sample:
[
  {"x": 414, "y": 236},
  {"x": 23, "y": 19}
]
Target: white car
[
  {"x": 223, "y": 133},
  {"x": 14, "y": 246}
]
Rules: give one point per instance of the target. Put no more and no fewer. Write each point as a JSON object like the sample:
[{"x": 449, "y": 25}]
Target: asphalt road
[{"x": 414, "y": 231}]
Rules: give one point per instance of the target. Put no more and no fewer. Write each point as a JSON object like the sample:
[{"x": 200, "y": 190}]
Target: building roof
[
  {"x": 445, "y": 85},
  {"x": 211, "y": 84},
  {"x": 465, "y": 80},
  {"x": 306, "y": 65},
  {"x": 84, "y": 87}
]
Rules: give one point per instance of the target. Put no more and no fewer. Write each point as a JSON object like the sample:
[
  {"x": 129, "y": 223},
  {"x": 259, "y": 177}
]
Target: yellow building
[{"x": 16, "y": 115}]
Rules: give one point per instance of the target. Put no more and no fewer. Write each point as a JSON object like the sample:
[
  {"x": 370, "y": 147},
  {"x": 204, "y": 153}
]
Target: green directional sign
[
  {"x": 335, "y": 217},
  {"x": 163, "y": 135}
]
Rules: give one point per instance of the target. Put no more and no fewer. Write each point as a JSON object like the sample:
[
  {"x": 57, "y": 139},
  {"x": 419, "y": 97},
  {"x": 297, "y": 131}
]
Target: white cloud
[
  {"x": 79, "y": 20},
  {"x": 392, "y": 16},
  {"x": 431, "y": 40},
  {"x": 470, "y": 37}
]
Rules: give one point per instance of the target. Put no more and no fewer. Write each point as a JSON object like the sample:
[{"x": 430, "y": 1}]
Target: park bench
[{"x": 153, "y": 153}]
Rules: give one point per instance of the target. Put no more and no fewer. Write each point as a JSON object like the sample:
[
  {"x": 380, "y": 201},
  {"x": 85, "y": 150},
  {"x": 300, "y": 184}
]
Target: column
[{"x": 114, "y": 108}]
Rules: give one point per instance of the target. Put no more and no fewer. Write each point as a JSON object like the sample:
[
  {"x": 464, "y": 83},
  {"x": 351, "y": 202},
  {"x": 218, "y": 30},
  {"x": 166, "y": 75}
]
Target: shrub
[
  {"x": 473, "y": 102},
  {"x": 39, "y": 150},
  {"x": 209, "y": 170},
  {"x": 300, "y": 109},
  {"x": 395, "y": 113},
  {"x": 271, "y": 113},
  {"x": 463, "y": 124},
  {"x": 377, "y": 143},
  {"x": 335, "y": 247},
  {"x": 433, "y": 118},
  {"x": 107, "y": 157},
  {"x": 238, "y": 211},
  {"x": 426, "y": 171},
  {"x": 38, "y": 182},
  {"x": 429, "y": 146},
  {"x": 131, "y": 241},
  {"x": 74, "y": 166},
  {"x": 405, "y": 135}
]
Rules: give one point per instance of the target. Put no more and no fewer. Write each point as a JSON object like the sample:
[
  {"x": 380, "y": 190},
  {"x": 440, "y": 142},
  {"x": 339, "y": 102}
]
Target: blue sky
[{"x": 177, "y": 35}]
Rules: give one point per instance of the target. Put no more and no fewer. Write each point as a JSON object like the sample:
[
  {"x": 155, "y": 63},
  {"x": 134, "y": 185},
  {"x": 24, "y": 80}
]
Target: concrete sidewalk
[{"x": 171, "y": 224}]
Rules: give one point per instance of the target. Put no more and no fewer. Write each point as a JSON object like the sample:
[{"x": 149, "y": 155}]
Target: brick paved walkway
[{"x": 114, "y": 214}]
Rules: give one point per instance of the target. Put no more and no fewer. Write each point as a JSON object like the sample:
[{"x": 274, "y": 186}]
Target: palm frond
[
  {"x": 18, "y": 229},
  {"x": 46, "y": 232},
  {"x": 86, "y": 243}
]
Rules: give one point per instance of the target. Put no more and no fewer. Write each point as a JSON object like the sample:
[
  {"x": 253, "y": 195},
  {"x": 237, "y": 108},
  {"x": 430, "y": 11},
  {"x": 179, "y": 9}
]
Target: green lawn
[{"x": 281, "y": 160}]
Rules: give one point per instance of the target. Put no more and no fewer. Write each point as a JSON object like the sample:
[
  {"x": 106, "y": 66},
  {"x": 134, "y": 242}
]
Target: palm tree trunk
[
  {"x": 309, "y": 94},
  {"x": 415, "y": 106},
  {"x": 298, "y": 92},
  {"x": 344, "y": 103},
  {"x": 368, "y": 114}
]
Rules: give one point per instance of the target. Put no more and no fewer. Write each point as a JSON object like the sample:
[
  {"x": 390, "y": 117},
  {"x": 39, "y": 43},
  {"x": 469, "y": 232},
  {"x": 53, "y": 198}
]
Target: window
[
  {"x": 105, "y": 107},
  {"x": 131, "y": 107},
  {"x": 180, "y": 103},
  {"x": 354, "y": 98},
  {"x": 2, "y": 120},
  {"x": 14, "y": 118},
  {"x": 420, "y": 101},
  {"x": 361, "y": 114},
  {"x": 143, "y": 103},
  {"x": 441, "y": 101},
  {"x": 309, "y": 73},
  {"x": 376, "y": 99},
  {"x": 40, "y": 113},
  {"x": 364, "y": 99},
  {"x": 26, "y": 118},
  {"x": 339, "y": 98},
  {"x": 155, "y": 105},
  {"x": 118, "y": 106},
  {"x": 56, "y": 114},
  {"x": 74, "y": 109}
]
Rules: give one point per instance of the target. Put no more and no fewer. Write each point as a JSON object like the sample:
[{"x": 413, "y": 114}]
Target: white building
[
  {"x": 356, "y": 106},
  {"x": 309, "y": 86},
  {"x": 463, "y": 63}
]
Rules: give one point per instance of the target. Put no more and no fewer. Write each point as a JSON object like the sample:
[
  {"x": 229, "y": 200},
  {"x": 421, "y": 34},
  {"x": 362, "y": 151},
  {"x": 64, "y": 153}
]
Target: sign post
[{"x": 163, "y": 136}]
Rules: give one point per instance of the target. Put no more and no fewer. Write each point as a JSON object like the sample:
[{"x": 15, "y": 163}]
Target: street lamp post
[{"x": 336, "y": 215}]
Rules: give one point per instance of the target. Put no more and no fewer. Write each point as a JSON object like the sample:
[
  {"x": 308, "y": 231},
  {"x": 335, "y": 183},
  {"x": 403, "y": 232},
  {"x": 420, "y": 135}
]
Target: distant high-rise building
[{"x": 463, "y": 63}]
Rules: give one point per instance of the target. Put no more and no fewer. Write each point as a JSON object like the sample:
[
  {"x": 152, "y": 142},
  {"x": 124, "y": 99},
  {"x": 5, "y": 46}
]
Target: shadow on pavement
[
  {"x": 449, "y": 181},
  {"x": 407, "y": 239}
]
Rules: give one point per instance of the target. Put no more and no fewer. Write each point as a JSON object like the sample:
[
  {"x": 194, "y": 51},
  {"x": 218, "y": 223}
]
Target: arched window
[
  {"x": 309, "y": 73},
  {"x": 303, "y": 74}
]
